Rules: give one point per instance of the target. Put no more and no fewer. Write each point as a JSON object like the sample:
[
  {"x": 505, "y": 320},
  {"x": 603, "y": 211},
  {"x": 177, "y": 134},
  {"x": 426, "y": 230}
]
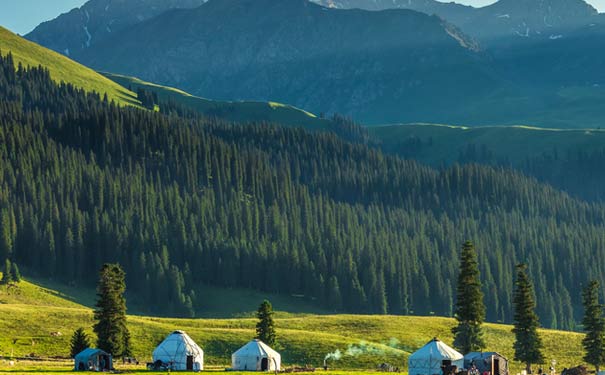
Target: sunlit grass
[
  {"x": 242, "y": 111},
  {"x": 39, "y": 321},
  {"x": 62, "y": 69}
]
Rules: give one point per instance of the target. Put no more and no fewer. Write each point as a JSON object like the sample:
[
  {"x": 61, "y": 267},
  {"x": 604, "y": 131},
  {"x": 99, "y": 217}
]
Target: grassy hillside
[
  {"x": 67, "y": 70},
  {"x": 214, "y": 302},
  {"x": 26, "y": 327},
  {"x": 443, "y": 144},
  {"x": 233, "y": 111},
  {"x": 62, "y": 68}
]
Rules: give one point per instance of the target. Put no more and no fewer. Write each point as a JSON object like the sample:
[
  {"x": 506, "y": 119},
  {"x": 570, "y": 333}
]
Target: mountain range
[
  {"x": 97, "y": 20},
  {"x": 425, "y": 61},
  {"x": 374, "y": 66}
]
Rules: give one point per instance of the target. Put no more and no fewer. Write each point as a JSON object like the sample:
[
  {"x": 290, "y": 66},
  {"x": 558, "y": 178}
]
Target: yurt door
[
  {"x": 189, "y": 362},
  {"x": 264, "y": 364}
]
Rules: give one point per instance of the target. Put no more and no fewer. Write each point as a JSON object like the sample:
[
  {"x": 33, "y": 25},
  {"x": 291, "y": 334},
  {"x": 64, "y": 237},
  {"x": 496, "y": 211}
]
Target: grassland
[
  {"x": 239, "y": 111},
  {"x": 443, "y": 144},
  {"x": 63, "y": 69},
  {"x": 31, "y": 316}
]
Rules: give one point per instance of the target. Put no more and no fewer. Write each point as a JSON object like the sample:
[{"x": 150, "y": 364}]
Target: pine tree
[
  {"x": 333, "y": 296},
  {"x": 528, "y": 344},
  {"x": 16, "y": 274},
  {"x": 110, "y": 313},
  {"x": 127, "y": 347},
  {"x": 79, "y": 342},
  {"x": 265, "y": 328},
  {"x": 594, "y": 326},
  {"x": 7, "y": 273},
  {"x": 470, "y": 309}
]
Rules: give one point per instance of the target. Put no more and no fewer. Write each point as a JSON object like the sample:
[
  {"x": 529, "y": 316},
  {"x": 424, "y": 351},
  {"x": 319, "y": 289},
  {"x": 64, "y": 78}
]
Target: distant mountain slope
[
  {"x": 374, "y": 66},
  {"x": 443, "y": 144},
  {"x": 546, "y": 19},
  {"x": 457, "y": 14},
  {"x": 61, "y": 68},
  {"x": 97, "y": 20},
  {"x": 231, "y": 111},
  {"x": 67, "y": 70},
  {"x": 503, "y": 19},
  {"x": 570, "y": 160}
]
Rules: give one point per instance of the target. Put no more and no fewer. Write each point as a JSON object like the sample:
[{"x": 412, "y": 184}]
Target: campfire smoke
[{"x": 364, "y": 348}]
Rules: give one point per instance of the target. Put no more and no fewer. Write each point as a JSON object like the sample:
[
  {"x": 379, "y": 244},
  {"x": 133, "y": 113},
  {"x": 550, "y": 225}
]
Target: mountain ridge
[
  {"x": 81, "y": 27},
  {"x": 502, "y": 19},
  {"x": 297, "y": 52},
  {"x": 63, "y": 69}
]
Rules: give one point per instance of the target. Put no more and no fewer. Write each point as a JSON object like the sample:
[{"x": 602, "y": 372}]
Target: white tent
[
  {"x": 179, "y": 352},
  {"x": 256, "y": 356},
  {"x": 432, "y": 358}
]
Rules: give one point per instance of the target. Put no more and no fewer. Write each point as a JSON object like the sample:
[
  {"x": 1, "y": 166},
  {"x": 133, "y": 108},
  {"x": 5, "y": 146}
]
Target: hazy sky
[{"x": 21, "y": 16}]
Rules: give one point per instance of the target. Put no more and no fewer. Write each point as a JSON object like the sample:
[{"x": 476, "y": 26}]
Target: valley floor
[{"x": 39, "y": 322}]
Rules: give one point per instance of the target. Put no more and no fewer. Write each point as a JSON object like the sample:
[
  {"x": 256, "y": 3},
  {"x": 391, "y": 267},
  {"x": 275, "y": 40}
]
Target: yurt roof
[
  {"x": 256, "y": 348},
  {"x": 88, "y": 352},
  {"x": 436, "y": 349},
  {"x": 177, "y": 341}
]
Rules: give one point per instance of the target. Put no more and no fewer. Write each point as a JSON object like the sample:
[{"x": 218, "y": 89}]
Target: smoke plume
[{"x": 366, "y": 348}]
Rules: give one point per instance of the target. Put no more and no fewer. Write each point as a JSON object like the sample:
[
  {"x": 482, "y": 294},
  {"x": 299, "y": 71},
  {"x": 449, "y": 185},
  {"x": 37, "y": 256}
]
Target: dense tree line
[
  {"x": 183, "y": 201},
  {"x": 574, "y": 170}
]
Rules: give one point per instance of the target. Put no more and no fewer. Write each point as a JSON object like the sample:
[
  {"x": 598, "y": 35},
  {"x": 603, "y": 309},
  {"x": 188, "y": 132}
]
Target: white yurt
[
  {"x": 433, "y": 358},
  {"x": 179, "y": 353},
  {"x": 256, "y": 356}
]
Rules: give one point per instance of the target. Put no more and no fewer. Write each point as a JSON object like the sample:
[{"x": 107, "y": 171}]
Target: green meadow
[
  {"x": 38, "y": 321},
  {"x": 238, "y": 111}
]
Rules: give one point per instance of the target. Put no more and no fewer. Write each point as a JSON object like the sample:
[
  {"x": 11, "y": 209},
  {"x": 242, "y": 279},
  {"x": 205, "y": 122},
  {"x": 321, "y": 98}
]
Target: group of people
[
  {"x": 453, "y": 370},
  {"x": 475, "y": 371}
]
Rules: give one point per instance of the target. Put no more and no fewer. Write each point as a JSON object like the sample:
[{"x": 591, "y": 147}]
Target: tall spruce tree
[
  {"x": 594, "y": 326},
  {"x": 110, "y": 314},
  {"x": 528, "y": 344},
  {"x": 470, "y": 309},
  {"x": 265, "y": 328},
  {"x": 7, "y": 273},
  {"x": 79, "y": 342}
]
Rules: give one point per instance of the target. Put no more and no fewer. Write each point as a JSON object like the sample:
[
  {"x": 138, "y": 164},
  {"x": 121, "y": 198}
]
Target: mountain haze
[{"x": 383, "y": 65}]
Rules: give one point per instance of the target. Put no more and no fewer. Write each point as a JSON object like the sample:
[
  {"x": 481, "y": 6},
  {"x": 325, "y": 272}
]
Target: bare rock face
[{"x": 83, "y": 27}]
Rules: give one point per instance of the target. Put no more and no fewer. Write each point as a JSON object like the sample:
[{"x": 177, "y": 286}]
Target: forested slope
[
  {"x": 571, "y": 160},
  {"x": 180, "y": 202}
]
